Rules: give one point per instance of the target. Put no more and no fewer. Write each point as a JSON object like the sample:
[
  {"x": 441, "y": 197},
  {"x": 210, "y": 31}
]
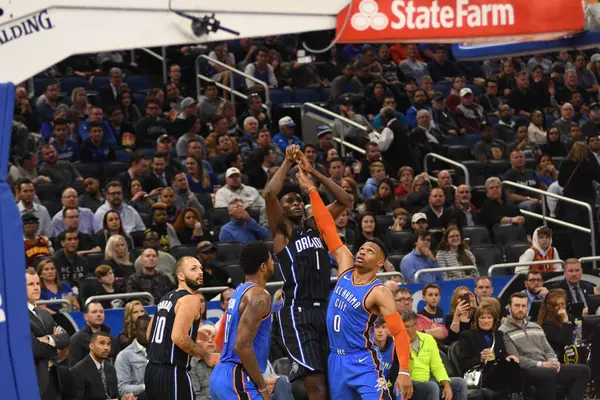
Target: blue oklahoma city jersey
[{"x": 262, "y": 341}]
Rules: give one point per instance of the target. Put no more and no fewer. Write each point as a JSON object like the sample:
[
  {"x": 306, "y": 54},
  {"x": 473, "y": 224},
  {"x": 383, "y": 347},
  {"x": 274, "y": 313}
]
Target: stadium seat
[
  {"x": 557, "y": 161},
  {"x": 139, "y": 99},
  {"x": 282, "y": 366},
  {"x": 88, "y": 287},
  {"x": 515, "y": 250},
  {"x": 486, "y": 256},
  {"x": 114, "y": 168},
  {"x": 459, "y": 153},
  {"x": 206, "y": 200},
  {"x": 476, "y": 173},
  {"x": 478, "y": 195},
  {"x": 236, "y": 274},
  {"x": 254, "y": 212},
  {"x": 122, "y": 156},
  {"x": 396, "y": 259},
  {"x": 497, "y": 167},
  {"x": 90, "y": 171},
  {"x": 395, "y": 240},
  {"x": 477, "y": 235},
  {"x": 71, "y": 82},
  {"x": 228, "y": 252},
  {"x": 279, "y": 96},
  {"x": 53, "y": 206},
  {"x": 93, "y": 260},
  {"x": 99, "y": 81},
  {"x": 218, "y": 216},
  {"x": 148, "y": 151},
  {"x": 138, "y": 239},
  {"x": 47, "y": 192},
  {"x": 505, "y": 234},
  {"x": 442, "y": 87},
  {"x": 477, "y": 90},
  {"x": 138, "y": 83},
  {"x": 39, "y": 82},
  {"x": 136, "y": 252},
  {"x": 146, "y": 218},
  {"x": 306, "y": 96},
  {"x": 384, "y": 222},
  {"x": 180, "y": 251}
]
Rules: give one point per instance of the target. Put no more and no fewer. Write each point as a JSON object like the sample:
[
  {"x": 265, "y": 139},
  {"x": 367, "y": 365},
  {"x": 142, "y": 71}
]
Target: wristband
[
  {"x": 312, "y": 189},
  {"x": 510, "y": 220},
  {"x": 263, "y": 389},
  {"x": 403, "y": 373}
]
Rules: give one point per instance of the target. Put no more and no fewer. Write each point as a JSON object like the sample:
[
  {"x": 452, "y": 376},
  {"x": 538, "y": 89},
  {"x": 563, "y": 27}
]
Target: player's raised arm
[
  {"x": 342, "y": 201},
  {"x": 257, "y": 307},
  {"x": 274, "y": 211},
  {"x": 383, "y": 300},
  {"x": 326, "y": 225},
  {"x": 186, "y": 311}
]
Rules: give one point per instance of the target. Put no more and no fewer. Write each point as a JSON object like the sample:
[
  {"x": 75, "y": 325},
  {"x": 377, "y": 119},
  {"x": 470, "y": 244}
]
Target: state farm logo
[
  {"x": 412, "y": 15},
  {"x": 369, "y": 17}
]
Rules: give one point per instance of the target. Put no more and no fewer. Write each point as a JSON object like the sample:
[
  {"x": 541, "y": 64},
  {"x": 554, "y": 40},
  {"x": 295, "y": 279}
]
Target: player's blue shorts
[
  {"x": 230, "y": 381},
  {"x": 356, "y": 375}
]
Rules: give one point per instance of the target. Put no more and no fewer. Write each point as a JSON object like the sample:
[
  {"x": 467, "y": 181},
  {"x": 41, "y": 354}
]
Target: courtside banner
[{"x": 459, "y": 21}]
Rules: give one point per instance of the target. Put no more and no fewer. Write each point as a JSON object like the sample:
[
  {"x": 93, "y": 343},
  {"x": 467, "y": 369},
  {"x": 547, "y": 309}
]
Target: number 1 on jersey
[
  {"x": 337, "y": 321},
  {"x": 227, "y": 320}
]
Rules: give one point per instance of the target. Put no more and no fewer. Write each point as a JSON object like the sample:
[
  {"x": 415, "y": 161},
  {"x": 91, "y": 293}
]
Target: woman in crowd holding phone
[
  {"x": 189, "y": 227},
  {"x": 462, "y": 309}
]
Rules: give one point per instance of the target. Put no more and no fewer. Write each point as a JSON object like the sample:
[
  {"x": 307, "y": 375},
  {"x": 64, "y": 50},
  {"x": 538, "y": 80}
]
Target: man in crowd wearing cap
[
  {"x": 209, "y": 103},
  {"x": 470, "y": 115},
  {"x": 325, "y": 136},
  {"x": 179, "y": 124},
  {"x": 152, "y": 125},
  {"x": 418, "y": 222},
  {"x": 286, "y": 135},
  {"x": 214, "y": 275},
  {"x": 242, "y": 228},
  {"x": 234, "y": 189},
  {"x": 256, "y": 110},
  {"x": 591, "y": 127},
  {"x": 351, "y": 133},
  {"x": 35, "y": 245}
]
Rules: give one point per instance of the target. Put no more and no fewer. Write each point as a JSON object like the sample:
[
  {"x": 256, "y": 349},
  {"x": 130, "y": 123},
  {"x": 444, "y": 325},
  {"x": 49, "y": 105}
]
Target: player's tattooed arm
[
  {"x": 186, "y": 311},
  {"x": 258, "y": 305}
]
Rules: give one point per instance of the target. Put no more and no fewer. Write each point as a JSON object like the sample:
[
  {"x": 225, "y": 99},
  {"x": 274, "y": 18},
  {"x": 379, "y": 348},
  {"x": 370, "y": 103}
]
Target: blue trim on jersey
[{"x": 292, "y": 306}]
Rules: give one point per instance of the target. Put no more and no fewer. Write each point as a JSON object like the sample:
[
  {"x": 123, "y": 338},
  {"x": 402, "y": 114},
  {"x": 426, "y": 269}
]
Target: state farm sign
[{"x": 458, "y": 21}]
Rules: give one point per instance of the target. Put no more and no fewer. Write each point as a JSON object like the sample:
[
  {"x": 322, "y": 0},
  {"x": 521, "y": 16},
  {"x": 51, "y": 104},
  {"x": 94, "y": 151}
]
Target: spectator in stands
[
  {"x": 425, "y": 362},
  {"x": 453, "y": 100},
  {"x": 25, "y": 193},
  {"x": 530, "y": 150},
  {"x": 554, "y": 320},
  {"x": 431, "y": 293},
  {"x": 214, "y": 275},
  {"x": 96, "y": 117},
  {"x": 442, "y": 69},
  {"x": 411, "y": 66},
  {"x": 131, "y": 361},
  {"x": 242, "y": 228},
  {"x": 158, "y": 177},
  {"x": 131, "y": 112},
  {"x": 352, "y": 134},
  {"x": 149, "y": 279},
  {"x": 377, "y": 169},
  {"x": 439, "y": 217},
  {"x": 109, "y": 94},
  {"x": 286, "y": 135},
  {"x": 577, "y": 290},
  {"x": 536, "y": 131},
  {"x": 234, "y": 189},
  {"x": 344, "y": 231},
  {"x": 383, "y": 201},
  {"x": 261, "y": 70},
  {"x": 36, "y": 246},
  {"x": 184, "y": 197},
  {"x": 576, "y": 176},
  {"x": 137, "y": 169},
  {"x": 346, "y": 83},
  {"x": 66, "y": 148},
  {"x": 461, "y": 316},
  {"x": 172, "y": 100},
  {"x": 419, "y": 258},
  {"x": 454, "y": 253},
  {"x": 593, "y": 143},
  {"x": 374, "y": 101},
  {"x": 534, "y": 288},
  {"x": 484, "y": 343},
  {"x": 201, "y": 368},
  {"x": 506, "y": 79},
  {"x": 419, "y": 102},
  {"x": 540, "y": 250},
  {"x": 258, "y": 174},
  {"x": 181, "y": 123},
  {"x": 565, "y": 94},
  {"x": 121, "y": 129},
  {"x": 23, "y": 109},
  {"x": 585, "y": 78},
  {"x": 389, "y": 101},
  {"x": 325, "y": 136},
  {"x": 130, "y": 219},
  {"x": 133, "y": 311},
  {"x": 419, "y": 194},
  {"x": 546, "y": 172},
  {"x": 554, "y": 147},
  {"x": 490, "y": 101},
  {"x": 85, "y": 221},
  {"x": 189, "y": 227},
  {"x": 70, "y": 265},
  {"x": 167, "y": 235},
  {"x": 93, "y": 314},
  {"x": 61, "y": 173},
  {"x": 483, "y": 289},
  {"x": 404, "y": 302},
  {"x": 539, "y": 60},
  {"x": 366, "y": 230},
  {"x": 47, "y": 107},
  {"x": 591, "y": 127},
  {"x": 92, "y": 196},
  {"x": 175, "y": 77},
  {"x": 400, "y": 218},
  {"x": 95, "y": 149},
  {"x": 470, "y": 115},
  {"x": 53, "y": 288},
  {"x": 444, "y": 182},
  {"x": 538, "y": 362},
  {"x": 152, "y": 126},
  {"x": 247, "y": 139},
  {"x": 464, "y": 210},
  {"x": 112, "y": 225},
  {"x": 497, "y": 209},
  {"x": 167, "y": 196},
  {"x": 574, "y": 135},
  {"x": 138, "y": 198},
  {"x": 566, "y": 120},
  {"x": 521, "y": 99},
  {"x": 107, "y": 284},
  {"x": 255, "y": 110},
  {"x": 505, "y": 129},
  {"x": 117, "y": 256},
  {"x": 199, "y": 180},
  {"x": 199, "y": 150},
  {"x": 523, "y": 176}
]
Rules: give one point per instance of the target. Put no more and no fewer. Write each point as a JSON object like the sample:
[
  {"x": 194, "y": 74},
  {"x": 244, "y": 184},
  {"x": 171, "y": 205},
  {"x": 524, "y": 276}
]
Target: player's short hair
[
  {"x": 253, "y": 255},
  {"x": 181, "y": 262},
  {"x": 289, "y": 188},
  {"x": 381, "y": 245}
]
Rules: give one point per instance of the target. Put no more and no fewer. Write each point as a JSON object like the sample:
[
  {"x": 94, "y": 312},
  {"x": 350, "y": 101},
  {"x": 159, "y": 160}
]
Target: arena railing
[
  {"x": 545, "y": 218},
  {"x": 232, "y": 90},
  {"x": 55, "y": 301},
  {"x": 104, "y": 297},
  {"x": 494, "y": 267},
  {"x": 334, "y": 116},
  {"x": 279, "y": 284},
  {"x": 444, "y": 269},
  {"x": 448, "y": 161},
  {"x": 584, "y": 260}
]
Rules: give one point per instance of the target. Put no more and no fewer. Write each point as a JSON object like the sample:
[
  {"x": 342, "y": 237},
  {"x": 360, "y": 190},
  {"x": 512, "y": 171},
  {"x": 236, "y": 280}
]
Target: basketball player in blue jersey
[
  {"x": 244, "y": 334},
  {"x": 305, "y": 266},
  {"x": 356, "y": 302},
  {"x": 172, "y": 336}
]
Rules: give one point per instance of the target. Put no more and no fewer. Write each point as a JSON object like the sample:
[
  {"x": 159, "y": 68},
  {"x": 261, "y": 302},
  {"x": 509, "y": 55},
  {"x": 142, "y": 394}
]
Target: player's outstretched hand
[
  {"x": 293, "y": 153},
  {"x": 304, "y": 164},
  {"x": 304, "y": 180},
  {"x": 404, "y": 386}
]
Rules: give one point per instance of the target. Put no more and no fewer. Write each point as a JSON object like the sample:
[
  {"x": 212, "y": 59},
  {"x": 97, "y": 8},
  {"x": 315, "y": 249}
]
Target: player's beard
[{"x": 193, "y": 284}]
